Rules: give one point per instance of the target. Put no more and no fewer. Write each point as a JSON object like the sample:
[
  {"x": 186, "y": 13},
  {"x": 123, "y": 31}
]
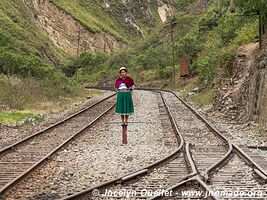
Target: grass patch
[
  {"x": 203, "y": 98},
  {"x": 20, "y": 34},
  {"x": 14, "y": 117},
  {"x": 93, "y": 93},
  {"x": 38, "y": 110},
  {"x": 184, "y": 86},
  {"x": 29, "y": 93},
  {"x": 92, "y": 15}
]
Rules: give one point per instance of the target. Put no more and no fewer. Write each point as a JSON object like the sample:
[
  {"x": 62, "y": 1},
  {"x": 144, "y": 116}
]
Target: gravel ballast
[
  {"x": 11, "y": 134},
  {"x": 98, "y": 155}
]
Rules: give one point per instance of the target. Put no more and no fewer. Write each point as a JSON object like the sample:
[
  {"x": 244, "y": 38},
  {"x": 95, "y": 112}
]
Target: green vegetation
[
  {"x": 28, "y": 93},
  {"x": 34, "y": 73},
  {"x": 182, "y": 4},
  {"x": 221, "y": 43},
  {"x": 204, "y": 98},
  {"x": 21, "y": 36},
  {"x": 252, "y": 6},
  {"x": 30, "y": 78},
  {"x": 18, "y": 116},
  {"x": 91, "y": 14},
  {"x": 209, "y": 40},
  {"x": 110, "y": 16}
]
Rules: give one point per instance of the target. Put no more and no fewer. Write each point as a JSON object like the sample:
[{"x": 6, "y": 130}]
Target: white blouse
[{"x": 122, "y": 86}]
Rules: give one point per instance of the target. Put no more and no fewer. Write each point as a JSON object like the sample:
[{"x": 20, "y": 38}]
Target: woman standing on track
[{"x": 124, "y": 85}]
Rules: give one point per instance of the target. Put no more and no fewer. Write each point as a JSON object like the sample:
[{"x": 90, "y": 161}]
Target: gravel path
[
  {"x": 98, "y": 154},
  {"x": 9, "y": 135}
]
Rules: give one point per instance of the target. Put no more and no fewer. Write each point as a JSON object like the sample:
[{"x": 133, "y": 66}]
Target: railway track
[
  {"x": 192, "y": 187},
  {"x": 207, "y": 146},
  {"x": 167, "y": 170},
  {"x": 156, "y": 179},
  {"x": 210, "y": 151},
  {"x": 234, "y": 180},
  {"x": 145, "y": 182},
  {"x": 235, "y": 173},
  {"x": 238, "y": 180},
  {"x": 205, "y": 161},
  {"x": 21, "y": 158},
  {"x": 76, "y": 166},
  {"x": 11, "y": 135}
]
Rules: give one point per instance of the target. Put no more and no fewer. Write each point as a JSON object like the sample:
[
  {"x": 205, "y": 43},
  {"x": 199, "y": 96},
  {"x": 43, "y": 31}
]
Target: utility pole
[
  {"x": 173, "y": 63},
  {"x": 105, "y": 42},
  {"x": 78, "y": 42},
  {"x": 260, "y": 28},
  {"x": 260, "y": 31}
]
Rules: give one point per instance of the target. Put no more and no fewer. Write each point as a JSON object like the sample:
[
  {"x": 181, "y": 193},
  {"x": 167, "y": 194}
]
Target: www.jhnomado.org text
[{"x": 183, "y": 193}]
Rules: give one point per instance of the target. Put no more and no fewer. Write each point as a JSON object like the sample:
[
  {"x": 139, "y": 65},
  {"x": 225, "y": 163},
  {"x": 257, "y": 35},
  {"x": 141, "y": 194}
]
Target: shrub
[
  {"x": 188, "y": 45},
  {"x": 205, "y": 69},
  {"x": 29, "y": 92},
  {"x": 165, "y": 72}
]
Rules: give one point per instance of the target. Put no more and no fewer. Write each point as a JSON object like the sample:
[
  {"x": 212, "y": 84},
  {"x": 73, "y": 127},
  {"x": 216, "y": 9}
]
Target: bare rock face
[
  {"x": 256, "y": 93},
  {"x": 197, "y": 7},
  {"x": 139, "y": 13},
  {"x": 244, "y": 98},
  {"x": 165, "y": 10},
  {"x": 68, "y": 33},
  {"x": 134, "y": 17}
]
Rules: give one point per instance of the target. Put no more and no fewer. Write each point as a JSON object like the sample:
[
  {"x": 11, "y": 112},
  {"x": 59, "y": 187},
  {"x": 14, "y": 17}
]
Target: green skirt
[{"x": 124, "y": 105}]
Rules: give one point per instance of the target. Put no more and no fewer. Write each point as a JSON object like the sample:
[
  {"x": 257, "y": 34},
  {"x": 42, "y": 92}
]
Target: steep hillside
[
  {"x": 78, "y": 26},
  {"x": 30, "y": 75},
  {"x": 244, "y": 96},
  {"x": 122, "y": 18},
  {"x": 20, "y": 35},
  {"x": 88, "y": 40}
]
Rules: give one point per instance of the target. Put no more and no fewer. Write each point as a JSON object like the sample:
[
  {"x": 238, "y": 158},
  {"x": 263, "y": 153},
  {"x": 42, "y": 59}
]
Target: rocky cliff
[
  {"x": 119, "y": 22},
  {"x": 68, "y": 33},
  {"x": 244, "y": 97},
  {"x": 139, "y": 15}
]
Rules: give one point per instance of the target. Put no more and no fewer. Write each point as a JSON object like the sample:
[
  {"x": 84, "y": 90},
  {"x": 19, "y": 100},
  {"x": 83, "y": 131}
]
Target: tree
[
  {"x": 188, "y": 46},
  {"x": 258, "y": 7}
]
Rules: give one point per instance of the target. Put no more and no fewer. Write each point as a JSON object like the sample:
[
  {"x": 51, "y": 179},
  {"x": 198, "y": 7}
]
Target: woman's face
[{"x": 123, "y": 73}]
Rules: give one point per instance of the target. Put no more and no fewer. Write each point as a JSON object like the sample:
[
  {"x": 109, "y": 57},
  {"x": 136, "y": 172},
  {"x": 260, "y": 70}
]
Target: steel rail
[
  {"x": 173, "y": 121},
  {"x": 140, "y": 172},
  {"x": 257, "y": 168},
  {"x": 206, "y": 174},
  {"x": 193, "y": 176},
  {"x": 17, "y": 179},
  {"x": 207, "y": 188},
  {"x": 179, "y": 184},
  {"x": 52, "y": 126},
  {"x": 232, "y": 147},
  {"x": 190, "y": 159}
]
